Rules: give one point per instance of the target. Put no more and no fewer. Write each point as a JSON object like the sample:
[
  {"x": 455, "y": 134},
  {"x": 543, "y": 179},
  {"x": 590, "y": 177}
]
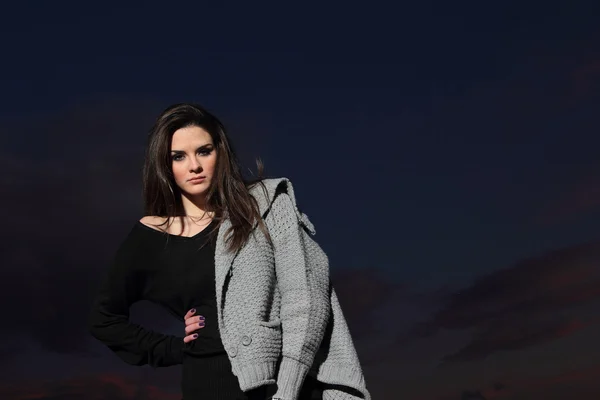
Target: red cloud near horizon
[
  {"x": 89, "y": 387},
  {"x": 573, "y": 384}
]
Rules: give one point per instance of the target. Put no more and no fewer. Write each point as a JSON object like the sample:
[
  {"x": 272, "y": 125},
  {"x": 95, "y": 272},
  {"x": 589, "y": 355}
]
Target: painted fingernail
[
  {"x": 195, "y": 336},
  {"x": 193, "y": 310},
  {"x": 201, "y": 318},
  {"x": 201, "y": 324}
]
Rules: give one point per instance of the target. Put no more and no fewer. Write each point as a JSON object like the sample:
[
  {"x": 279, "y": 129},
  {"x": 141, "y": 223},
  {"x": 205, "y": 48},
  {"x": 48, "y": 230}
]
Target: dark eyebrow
[{"x": 199, "y": 148}]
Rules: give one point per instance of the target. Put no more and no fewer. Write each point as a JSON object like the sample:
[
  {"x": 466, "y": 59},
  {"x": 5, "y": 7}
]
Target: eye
[
  {"x": 205, "y": 152},
  {"x": 176, "y": 157}
]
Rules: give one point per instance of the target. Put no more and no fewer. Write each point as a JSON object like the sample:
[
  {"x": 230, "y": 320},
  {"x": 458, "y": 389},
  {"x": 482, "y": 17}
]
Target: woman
[{"x": 236, "y": 262}]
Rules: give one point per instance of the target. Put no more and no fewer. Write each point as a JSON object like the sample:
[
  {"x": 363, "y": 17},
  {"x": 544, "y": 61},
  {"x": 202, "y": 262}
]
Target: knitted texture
[
  {"x": 279, "y": 317},
  {"x": 302, "y": 271}
]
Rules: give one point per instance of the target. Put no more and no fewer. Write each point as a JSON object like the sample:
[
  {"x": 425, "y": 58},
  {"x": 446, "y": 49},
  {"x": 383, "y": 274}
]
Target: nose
[{"x": 195, "y": 164}]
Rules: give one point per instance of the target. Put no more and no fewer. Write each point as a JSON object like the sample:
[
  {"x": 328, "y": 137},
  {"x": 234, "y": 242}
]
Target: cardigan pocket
[
  {"x": 276, "y": 323},
  {"x": 268, "y": 335}
]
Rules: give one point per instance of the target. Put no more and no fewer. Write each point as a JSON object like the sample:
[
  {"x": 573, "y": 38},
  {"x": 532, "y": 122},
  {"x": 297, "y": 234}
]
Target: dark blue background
[{"x": 444, "y": 151}]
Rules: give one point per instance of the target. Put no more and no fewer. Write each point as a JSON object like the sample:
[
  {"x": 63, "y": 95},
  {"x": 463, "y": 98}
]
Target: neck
[{"x": 195, "y": 207}]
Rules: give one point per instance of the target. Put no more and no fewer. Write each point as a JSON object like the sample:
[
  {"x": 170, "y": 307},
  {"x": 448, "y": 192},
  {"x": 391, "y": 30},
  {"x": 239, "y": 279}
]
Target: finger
[
  {"x": 189, "y": 313},
  {"x": 194, "y": 320},
  {"x": 194, "y": 327},
  {"x": 189, "y": 338}
]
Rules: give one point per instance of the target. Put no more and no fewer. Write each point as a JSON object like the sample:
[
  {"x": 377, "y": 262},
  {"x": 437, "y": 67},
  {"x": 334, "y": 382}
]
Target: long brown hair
[{"x": 228, "y": 195}]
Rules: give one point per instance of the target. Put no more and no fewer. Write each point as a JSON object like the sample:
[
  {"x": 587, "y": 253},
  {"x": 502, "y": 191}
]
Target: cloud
[
  {"x": 361, "y": 292},
  {"x": 507, "y": 336},
  {"x": 572, "y": 384},
  {"x": 101, "y": 386},
  {"x": 521, "y": 306}
]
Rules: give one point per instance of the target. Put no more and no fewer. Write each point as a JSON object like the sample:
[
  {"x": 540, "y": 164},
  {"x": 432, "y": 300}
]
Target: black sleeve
[{"x": 108, "y": 320}]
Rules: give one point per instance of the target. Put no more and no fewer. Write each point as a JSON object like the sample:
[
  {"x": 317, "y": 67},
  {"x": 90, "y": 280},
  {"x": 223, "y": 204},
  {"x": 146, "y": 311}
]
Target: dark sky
[{"x": 445, "y": 151}]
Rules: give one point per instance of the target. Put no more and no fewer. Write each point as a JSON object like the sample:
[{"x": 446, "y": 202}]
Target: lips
[{"x": 197, "y": 179}]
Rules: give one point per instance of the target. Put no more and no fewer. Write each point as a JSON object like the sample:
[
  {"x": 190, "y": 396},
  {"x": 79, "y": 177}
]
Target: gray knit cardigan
[{"x": 278, "y": 315}]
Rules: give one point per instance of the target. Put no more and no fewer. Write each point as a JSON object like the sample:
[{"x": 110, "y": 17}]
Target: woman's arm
[
  {"x": 302, "y": 270},
  {"x": 108, "y": 320}
]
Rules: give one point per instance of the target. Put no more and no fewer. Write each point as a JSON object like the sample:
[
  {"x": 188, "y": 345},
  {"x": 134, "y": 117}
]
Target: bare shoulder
[{"x": 153, "y": 222}]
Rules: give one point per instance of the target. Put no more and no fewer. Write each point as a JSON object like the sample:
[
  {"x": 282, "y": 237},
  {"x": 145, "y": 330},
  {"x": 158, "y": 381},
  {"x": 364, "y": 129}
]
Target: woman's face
[{"x": 193, "y": 155}]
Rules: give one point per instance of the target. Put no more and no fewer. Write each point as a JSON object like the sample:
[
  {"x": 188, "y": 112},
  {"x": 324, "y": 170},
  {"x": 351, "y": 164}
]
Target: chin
[{"x": 197, "y": 190}]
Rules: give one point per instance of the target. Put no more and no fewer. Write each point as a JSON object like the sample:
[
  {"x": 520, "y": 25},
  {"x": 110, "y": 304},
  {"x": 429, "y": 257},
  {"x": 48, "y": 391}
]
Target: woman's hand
[{"x": 192, "y": 323}]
